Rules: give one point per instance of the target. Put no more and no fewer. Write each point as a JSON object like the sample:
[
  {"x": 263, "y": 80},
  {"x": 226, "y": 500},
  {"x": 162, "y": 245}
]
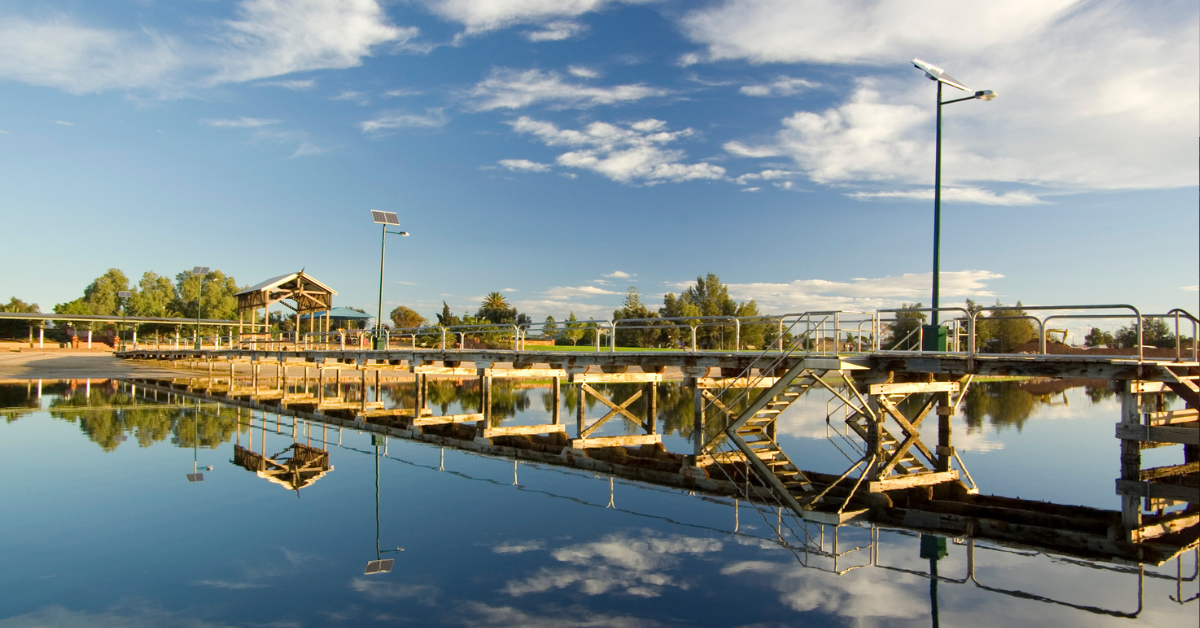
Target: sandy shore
[{"x": 70, "y": 365}]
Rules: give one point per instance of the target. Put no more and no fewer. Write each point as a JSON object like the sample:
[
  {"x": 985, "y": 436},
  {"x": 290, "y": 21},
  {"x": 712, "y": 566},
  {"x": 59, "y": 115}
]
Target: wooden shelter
[{"x": 307, "y": 295}]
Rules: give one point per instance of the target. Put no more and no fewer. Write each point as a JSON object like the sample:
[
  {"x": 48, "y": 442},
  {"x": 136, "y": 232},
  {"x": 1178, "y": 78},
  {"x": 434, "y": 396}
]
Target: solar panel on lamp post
[
  {"x": 385, "y": 219},
  {"x": 199, "y": 271},
  {"x": 124, "y": 296},
  {"x": 933, "y": 337}
]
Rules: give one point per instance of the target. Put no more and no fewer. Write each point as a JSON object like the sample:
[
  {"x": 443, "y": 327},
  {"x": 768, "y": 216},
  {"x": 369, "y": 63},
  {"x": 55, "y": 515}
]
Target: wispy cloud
[
  {"x": 781, "y": 86},
  {"x": 953, "y": 195},
  {"x": 582, "y": 72},
  {"x": 556, "y": 31},
  {"x": 1191, "y": 288},
  {"x": 524, "y": 165},
  {"x": 481, "y": 17},
  {"x": 361, "y": 98},
  {"x": 63, "y": 122},
  {"x": 506, "y": 88},
  {"x": 519, "y": 547},
  {"x": 619, "y": 274},
  {"x": 627, "y": 153},
  {"x": 393, "y": 120},
  {"x": 296, "y": 85},
  {"x": 242, "y": 122},
  {"x": 227, "y": 584}
]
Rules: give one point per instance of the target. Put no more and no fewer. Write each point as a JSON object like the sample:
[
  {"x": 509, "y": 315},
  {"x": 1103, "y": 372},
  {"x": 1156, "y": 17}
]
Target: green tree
[
  {"x": 1097, "y": 337},
  {"x": 153, "y": 296},
  {"x": 1003, "y": 331},
  {"x": 218, "y": 295},
  {"x": 99, "y": 297},
  {"x": 550, "y": 328},
  {"x": 709, "y": 297},
  {"x": 573, "y": 330},
  {"x": 633, "y": 308},
  {"x": 495, "y": 309},
  {"x": 753, "y": 334},
  {"x": 404, "y": 318},
  {"x": 16, "y": 329},
  {"x": 1155, "y": 333},
  {"x": 446, "y": 318},
  {"x": 900, "y": 330}
]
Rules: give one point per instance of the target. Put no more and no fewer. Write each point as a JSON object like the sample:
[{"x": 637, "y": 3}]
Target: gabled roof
[
  {"x": 342, "y": 313},
  {"x": 282, "y": 279}
]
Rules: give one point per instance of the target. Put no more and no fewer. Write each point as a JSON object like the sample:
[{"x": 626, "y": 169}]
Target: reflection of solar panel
[
  {"x": 379, "y": 566},
  {"x": 385, "y": 218},
  {"x": 195, "y": 477}
]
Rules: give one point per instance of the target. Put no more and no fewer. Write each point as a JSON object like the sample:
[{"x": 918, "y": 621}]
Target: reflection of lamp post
[
  {"x": 934, "y": 338},
  {"x": 379, "y": 565},
  {"x": 195, "y": 475},
  {"x": 385, "y": 219},
  {"x": 124, "y": 296},
  {"x": 933, "y": 548},
  {"x": 199, "y": 271}
]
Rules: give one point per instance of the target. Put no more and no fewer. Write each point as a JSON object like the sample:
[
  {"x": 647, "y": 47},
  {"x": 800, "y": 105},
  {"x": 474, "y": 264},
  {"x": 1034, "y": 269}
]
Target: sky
[{"x": 561, "y": 151}]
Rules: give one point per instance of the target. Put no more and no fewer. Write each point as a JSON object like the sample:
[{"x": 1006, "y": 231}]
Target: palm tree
[{"x": 494, "y": 301}]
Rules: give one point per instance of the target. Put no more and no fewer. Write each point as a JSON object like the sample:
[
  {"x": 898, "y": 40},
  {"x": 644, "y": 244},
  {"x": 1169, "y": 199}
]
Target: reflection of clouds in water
[
  {"x": 476, "y": 614},
  {"x": 386, "y": 589},
  {"x": 619, "y": 562},
  {"x": 227, "y": 584},
  {"x": 519, "y": 547},
  {"x": 862, "y": 593},
  {"x": 117, "y": 617}
]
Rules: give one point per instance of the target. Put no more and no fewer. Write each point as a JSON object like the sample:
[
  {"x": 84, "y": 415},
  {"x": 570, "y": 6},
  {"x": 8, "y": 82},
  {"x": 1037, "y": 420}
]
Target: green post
[
  {"x": 379, "y": 311},
  {"x": 937, "y": 207},
  {"x": 199, "y": 304}
]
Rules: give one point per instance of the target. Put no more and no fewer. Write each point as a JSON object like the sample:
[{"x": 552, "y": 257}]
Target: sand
[{"x": 74, "y": 365}]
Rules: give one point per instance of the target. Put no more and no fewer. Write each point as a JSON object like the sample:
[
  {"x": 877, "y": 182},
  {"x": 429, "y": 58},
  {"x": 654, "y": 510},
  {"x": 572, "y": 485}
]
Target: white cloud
[
  {"x": 360, "y": 98},
  {"x": 294, "y": 85},
  {"x": 507, "y": 88},
  {"x": 226, "y": 584},
  {"x": 563, "y": 292},
  {"x": 273, "y": 37},
  {"x": 524, "y": 165},
  {"x": 58, "y": 52},
  {"x": 240, "y": 123},
  {"x": 489, "y": 15},
  {"x": 1191, "y": 288},
  {"x": 765, "y": 175},
  {"x": 63, "y": 123},
  {"x": 781, "y": 86},
  {"x": 391, "y": 120},
  {"x": 556, "y": 31},
  {"x": 398, "y": 93},
  {"x": 741, "y": 150},
  {"x": 516, "y": 547},
  {"x": 751, "y": 189},
  {"x": 582, "y": 72},
  {"x": 953, "y": 195},
  {"x": 630, "y": 153},
  {"x": 306, "y": 149},
  {"x": 1094, "y": 96},
  {"x": 860, "y": 294},
  {"x": 619, "y": 274}
]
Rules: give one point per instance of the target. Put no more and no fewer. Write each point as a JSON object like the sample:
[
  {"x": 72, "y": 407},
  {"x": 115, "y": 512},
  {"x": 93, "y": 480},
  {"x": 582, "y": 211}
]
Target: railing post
[
  {"x": 693, "y": 338},
  {"x": 737, "y": 335}
]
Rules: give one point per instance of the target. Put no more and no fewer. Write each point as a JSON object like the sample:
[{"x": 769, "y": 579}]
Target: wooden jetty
[{"x": 909, "y": 473}]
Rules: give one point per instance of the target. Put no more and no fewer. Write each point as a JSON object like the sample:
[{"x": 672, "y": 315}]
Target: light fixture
[{"x": 386, "y": 219}]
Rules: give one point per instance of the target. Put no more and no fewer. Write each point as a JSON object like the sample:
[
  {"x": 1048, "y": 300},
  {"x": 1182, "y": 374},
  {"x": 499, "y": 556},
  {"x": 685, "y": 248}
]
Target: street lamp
[
  {"x": 933, "y": 338},
  {"x": 124, "y": 296},
  {"x": 199, "y": 271},
  {"x": 385, "y": 219}
]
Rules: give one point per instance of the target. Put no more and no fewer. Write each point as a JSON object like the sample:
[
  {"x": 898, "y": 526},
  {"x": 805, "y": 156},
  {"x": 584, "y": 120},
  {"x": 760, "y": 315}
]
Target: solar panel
[
  {"x": 384, "y": 218},
  {"x": 195, "y": 477},
  {"x": 200, "y": 270},
  {"x": 379, "y": 566},
  {"x": 938, "y": 74}
]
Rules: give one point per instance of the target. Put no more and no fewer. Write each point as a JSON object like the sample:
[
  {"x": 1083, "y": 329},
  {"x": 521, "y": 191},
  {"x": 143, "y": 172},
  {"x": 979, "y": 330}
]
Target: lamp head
[
  {"x": 985, "y": 94},
  {"x": 404, "y": 233}
]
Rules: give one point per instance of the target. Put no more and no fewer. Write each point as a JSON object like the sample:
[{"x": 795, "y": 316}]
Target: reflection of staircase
[
  {"x": 907, "y": 464},
  {"x": 756, "y": 432}
]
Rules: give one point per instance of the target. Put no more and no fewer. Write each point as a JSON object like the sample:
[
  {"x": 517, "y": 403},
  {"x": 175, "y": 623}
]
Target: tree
[
  {"x": 573, "y": 330},
  {"x": 218, "y": 295},
  {"x": 495, "y": 309},
  {"x": 753, "y": 334},
  {"x": 1155, "y": 333},
  {"x": 709, "y": 297},
  {"x": 405, "y": 318},
  {"x": 549, "y": 328},
  {"x": 153, "y": 296},
  {"x": 633, "y": 308},
  {"x": 16, "y": 329},
  {"x": 1097, "y": 337},
  {"x": 100, "y": 297},
  {"x": 1004, "y": 330},
  {"x": 446, "y": 319},
  {"x": 901, "y": 330}
]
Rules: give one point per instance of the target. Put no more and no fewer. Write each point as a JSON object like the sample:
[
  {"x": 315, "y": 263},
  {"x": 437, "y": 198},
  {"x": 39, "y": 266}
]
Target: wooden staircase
[{"x": 756, "y": 434}]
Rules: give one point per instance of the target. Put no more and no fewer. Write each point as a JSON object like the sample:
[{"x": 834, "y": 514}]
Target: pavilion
[{"x": 307, "y": 295}]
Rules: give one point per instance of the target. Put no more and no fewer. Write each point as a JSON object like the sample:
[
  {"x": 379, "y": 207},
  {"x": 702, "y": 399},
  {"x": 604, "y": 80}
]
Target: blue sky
[{"x": 564, "y": 150}]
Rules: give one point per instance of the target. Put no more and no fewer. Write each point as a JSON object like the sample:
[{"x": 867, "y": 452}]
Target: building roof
[
  {"x": 343, "y": 313},
  {"x": 307, "y": 292}
]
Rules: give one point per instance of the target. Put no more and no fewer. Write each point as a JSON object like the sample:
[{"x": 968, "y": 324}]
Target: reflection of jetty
[
  {"x": 896, "y": 407},
  {"x": 294, "y": 468}
]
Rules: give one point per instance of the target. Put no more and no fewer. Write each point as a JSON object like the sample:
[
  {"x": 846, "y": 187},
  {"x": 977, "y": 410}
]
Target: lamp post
[
  {"x": 933, "y": 338},
  {"x": 199, "y": 271},
  {"x": 124, "y": 296},
  {"x": 385, "y": 219}
]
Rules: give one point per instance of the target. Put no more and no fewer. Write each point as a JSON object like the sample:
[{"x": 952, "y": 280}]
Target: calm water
[{"x": 102, "y": 527}]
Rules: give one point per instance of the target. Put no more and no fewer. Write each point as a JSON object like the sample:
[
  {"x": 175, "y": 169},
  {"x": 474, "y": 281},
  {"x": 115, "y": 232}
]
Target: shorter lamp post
[
  {"x": 199, "y": 271},
  {"x": 933, "y": 336},
  {"x": 124, "y": 296},
  {"x": 385, "y": 219}
]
